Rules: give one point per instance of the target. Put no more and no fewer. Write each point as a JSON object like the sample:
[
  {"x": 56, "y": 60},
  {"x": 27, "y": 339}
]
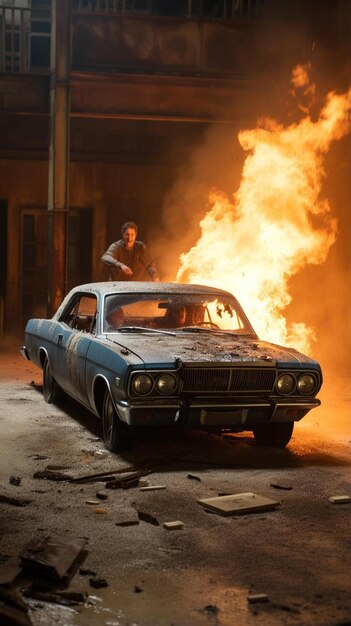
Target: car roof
[{"x": 148, "y": 287}]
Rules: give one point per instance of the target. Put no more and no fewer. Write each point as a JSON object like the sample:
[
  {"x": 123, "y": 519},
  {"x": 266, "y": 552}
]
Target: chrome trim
[
  {"x": 298, "y": 405},
  {"x": 42, "y": 349},
  {"x": 123, "y": 404},
  {"x": 93, "y": 390},
  {"x": 24, "y": 352}
]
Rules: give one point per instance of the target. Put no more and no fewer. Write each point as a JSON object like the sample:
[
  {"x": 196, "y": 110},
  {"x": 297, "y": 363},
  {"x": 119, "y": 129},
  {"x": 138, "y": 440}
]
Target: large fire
[{"x": 277, "y": 221}]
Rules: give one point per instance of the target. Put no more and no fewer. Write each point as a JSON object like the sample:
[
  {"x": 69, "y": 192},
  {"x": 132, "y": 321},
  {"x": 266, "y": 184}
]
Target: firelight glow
[{"x": 277, "y": 221}]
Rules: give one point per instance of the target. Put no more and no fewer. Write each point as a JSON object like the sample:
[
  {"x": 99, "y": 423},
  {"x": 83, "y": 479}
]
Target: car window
[
  {"x": 81, "y": 314},
  {"x": 173, "y": 311}
]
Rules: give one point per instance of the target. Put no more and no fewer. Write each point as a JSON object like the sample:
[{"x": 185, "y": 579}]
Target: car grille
[{"x": 228, "y": 380}]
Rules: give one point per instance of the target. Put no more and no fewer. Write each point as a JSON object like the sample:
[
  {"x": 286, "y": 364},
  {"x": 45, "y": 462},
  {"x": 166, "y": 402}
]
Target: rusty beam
[
  {"x": 58, "y": 186},
  {"x": 161, "y": 98}
]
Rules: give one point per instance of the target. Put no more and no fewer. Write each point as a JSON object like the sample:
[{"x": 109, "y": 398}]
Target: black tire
[
  {"x": 52, "y": 392},
  {"x": 275, "y": 435},
  {"x": 117, "y": 436}
]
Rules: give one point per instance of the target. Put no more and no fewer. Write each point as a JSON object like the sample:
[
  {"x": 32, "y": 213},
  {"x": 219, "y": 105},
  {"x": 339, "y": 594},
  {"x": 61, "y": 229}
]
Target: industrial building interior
[{"x": 131, "y": 110}]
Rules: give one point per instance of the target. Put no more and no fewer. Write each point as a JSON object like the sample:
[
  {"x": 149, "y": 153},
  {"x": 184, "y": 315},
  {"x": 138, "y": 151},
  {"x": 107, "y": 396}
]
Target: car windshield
[{"x": 180, "y": 312}]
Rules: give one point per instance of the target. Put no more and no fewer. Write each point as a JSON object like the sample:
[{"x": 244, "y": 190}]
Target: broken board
[{"x": 239, "y": 504}]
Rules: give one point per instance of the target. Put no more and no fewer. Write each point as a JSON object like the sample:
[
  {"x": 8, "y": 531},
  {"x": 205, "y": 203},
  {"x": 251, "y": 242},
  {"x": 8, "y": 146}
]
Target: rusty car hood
[{"x": 161, "y": 349}]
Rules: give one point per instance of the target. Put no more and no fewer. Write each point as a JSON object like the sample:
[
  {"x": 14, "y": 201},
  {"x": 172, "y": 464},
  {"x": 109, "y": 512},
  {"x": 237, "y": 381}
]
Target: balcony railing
[
  {"x": 24, "y": 39},
  {"x": 211, "y": 9},
  {"x": 25, "y": 32}
]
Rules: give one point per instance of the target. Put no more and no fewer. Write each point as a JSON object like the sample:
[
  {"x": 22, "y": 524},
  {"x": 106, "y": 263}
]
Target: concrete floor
[{"x": 298, "y": 555}]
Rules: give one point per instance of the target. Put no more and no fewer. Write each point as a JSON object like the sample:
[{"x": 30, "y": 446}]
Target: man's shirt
[{"x": 138, "y": 258}]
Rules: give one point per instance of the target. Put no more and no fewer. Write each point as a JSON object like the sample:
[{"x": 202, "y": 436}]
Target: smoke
[
  {"x": 215, "y": 163},
  {"x": 320, "y": 297}
]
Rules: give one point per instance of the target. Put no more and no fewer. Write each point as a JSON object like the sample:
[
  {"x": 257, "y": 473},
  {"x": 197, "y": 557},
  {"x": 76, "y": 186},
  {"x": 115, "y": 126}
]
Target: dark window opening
[
  {"x": 3, "y": 247},
  {"x": 79, "y": 247}
]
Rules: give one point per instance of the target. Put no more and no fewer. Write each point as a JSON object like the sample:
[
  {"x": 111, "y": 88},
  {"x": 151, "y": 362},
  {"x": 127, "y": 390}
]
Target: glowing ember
[{"x": 277, "y": 222}]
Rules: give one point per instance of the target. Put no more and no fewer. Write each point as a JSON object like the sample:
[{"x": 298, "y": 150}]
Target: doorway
[
  {"x": 34, "y": 256},
  {"x": 3, "y": 261}
]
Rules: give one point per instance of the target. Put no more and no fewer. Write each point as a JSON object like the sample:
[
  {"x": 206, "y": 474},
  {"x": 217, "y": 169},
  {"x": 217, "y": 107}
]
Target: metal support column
[{"x": 58, "y": 187}]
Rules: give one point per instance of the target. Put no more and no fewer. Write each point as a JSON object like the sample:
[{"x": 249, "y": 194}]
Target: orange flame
[{"x": 277, "y": 222}]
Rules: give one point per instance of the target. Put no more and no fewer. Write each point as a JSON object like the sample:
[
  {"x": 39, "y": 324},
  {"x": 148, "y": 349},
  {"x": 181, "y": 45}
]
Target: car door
[{"x": 74, "y": 333}]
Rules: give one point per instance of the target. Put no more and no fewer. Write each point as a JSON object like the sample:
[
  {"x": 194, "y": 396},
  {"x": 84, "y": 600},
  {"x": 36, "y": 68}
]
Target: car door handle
[{"x": 59, "y": 338}]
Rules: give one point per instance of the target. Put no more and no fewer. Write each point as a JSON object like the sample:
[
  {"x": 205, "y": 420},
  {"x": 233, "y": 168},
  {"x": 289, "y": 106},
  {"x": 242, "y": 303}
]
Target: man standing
[{"x": 129, "y": 259}]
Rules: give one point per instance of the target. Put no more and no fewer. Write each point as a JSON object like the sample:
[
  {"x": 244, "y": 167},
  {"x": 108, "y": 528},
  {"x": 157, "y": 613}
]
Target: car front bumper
[{"x": 243, "y": 414}]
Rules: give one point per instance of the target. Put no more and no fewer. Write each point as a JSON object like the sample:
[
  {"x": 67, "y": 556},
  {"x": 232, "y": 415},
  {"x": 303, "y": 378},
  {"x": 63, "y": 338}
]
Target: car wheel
[
  {"x": 276, "y": 435},
  {"x": 116, "y": 435},
  {"x": 51, "y": 390}
]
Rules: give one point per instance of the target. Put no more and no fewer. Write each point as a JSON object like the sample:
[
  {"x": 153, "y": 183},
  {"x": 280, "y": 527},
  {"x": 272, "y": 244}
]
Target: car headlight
[
  {"x": 142, "y": 384},
  {"x": 307, "y": 384},
  {"x": 286, "y": 383},
  {"x": 166, "y": 384}
]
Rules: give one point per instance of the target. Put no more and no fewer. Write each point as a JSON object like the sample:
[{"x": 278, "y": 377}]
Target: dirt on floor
[{"x": 204, "y": 574}]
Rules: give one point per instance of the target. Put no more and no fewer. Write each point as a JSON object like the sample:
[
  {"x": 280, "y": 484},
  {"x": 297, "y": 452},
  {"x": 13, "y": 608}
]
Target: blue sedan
[{"x": 149, "y": 354}]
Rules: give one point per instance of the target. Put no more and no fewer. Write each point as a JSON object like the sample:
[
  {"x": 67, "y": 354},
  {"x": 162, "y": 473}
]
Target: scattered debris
[
  {"x": 100, "y": 454},
  {"x": 101, "y": 511},
  {"x": 131, "y": 522},
  {"x": 210, "y": 608},
  {"x": 13, "y": 610},
  {"x": 85, "y": 571},
  {"x": 48, "y": 474},
  {"x": 38, "y": 457},
  {"x": 135, "y": 472},
  {"x": 67, "y": 597},
  {"x": 276, "y": 486},
  {"x": 153, "y": 488},
  {"x": 340, "y": 499},
  {"x": 92, "y": 502},
  {"x": 137, "y": 589},
  {"x": 146, "y": 517},
  {"x": 54, "y": 556},
  {"x": 289, "y": 609},
  {"x": 101, "y": 495},
  {"x": 143, "y": 483},
  {"x": 239, "y": 503},
  {"x": 101, "y": 476},
  {"x": 124, "y": 482},
  {"x": 129, "y": 483},
  {"x": 254, "y": 598},
  {"x": 193, "y": 477},
  {"x": 176, "y": 525},
  {"x": 14, "y": 501},
  {"x": 98, "y": 583},
  {"x": 10, "y": 570},
  {"x": 15, "y": 480}
]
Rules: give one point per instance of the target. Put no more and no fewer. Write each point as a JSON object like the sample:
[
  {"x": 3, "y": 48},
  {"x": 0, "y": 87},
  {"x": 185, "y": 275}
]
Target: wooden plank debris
[
  {"x": 239, "y": 504},
  {"x": 340, "y": 499},
  {"x": 254, "y": 598},
  {"x": 54, "y": 556},
  {"x": 176, "y": 525},
  {"x": 147, "y": 517}
]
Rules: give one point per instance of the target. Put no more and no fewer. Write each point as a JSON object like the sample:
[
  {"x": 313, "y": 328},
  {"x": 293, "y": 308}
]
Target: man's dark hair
[{"x": 127, "y": 225}]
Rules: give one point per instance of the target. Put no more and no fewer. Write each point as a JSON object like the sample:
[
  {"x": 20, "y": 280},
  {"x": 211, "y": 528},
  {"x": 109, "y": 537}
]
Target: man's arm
[
  {"x": 149, "y": 264},
  {"x": 110, "y": 258}
]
